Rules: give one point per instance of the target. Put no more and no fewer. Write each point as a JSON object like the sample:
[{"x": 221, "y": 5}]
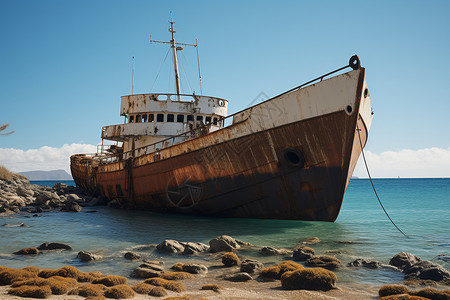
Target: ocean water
[{"x": 420, "y": 207}]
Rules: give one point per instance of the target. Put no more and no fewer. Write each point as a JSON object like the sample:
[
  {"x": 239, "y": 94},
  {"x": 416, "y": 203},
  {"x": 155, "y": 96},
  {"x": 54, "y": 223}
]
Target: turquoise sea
[{"x": 420, "y": 207}]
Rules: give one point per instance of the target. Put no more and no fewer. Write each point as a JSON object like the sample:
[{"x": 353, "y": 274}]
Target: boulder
[
  {"x": 88, "y": 256},
  {"x": 73, "y": 198},
  {"x": 251, "y": 266},
  {"x": 132, "y": 255},
  {"x": 140, "y": 272},
  {"x": 223, "y": 243},
  {"x": 195, "y": 248},
  {"x": 238, "y": 277},
  {"x": 54, "y": 246},
  {"x": 426, "y": 270},
  {"x": 274, "y": 251},
  {"x": 170, "y": 246},
  {"x": 323, "y": 261},
  {"x": 24, "y": 192},
  {"x": 72, "y": 207},
  {"x": 309, "y": 279},
  {"x": 43, "y": 196},
  {"x": 303, "y": 253},
  {"x": 403, "y": 260},
  {"x": 194, "y": 268}
]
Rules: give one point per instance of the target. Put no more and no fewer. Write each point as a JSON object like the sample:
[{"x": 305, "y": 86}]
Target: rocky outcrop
[
  {"x": 18, "y": 195},
  {"x": 426, "y": 270}
]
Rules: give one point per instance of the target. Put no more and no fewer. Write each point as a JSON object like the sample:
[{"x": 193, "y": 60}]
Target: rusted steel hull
[{"x": 298, "y": 170}]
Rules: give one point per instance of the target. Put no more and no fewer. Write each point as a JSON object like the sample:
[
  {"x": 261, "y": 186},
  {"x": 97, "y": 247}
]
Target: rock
[
  {"x": 151, "y": 266},
  {"x": 311, "y": 241},
  {"x": 170, "y": 246},
  {"x": 154, "y": 262},
  {"x": 309, "y": 279},
  {"x": 426, "y": 270},
  {"x": 274, "y": 251},
  {"x": 251, "y": 266},
  {"x": 195, "y": 248},
  {"x": 24, "y": 192},
  {"x": 88, "y": 256},
  {"x": 72, "y": 207},
  {"x": 303, "y": 253},
  {"x": 223, "y": 243},
  {"x": 60, "y": 186},
  {"x": 323, "y": 261},
  {"x": 243, "y": 244},
  {"x": 238, "y": 277},
  {"x": 43, "y": 196},
  {"x": 230, "y": 259},
  {"x": 27, "y": 251},
  {"x": 140, "y": 272},
  {"x": 54, "y": 246},
  {"x": 132, "y": 255},
  {"x": 73, "y": 198},
  {"x": 195, "y": 268},
  {"x": 392, "y": 289},
  {"x": 403, "y": 260},
  {"x": 371, "y": 264}
]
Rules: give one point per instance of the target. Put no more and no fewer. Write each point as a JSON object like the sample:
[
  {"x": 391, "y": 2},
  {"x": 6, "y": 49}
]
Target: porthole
[
  {"x": 349, "y": 109},
  {"x": 221, "y": 103},
  {"x": 294, "y": 157},
  {"x": 366, "y": 93}
]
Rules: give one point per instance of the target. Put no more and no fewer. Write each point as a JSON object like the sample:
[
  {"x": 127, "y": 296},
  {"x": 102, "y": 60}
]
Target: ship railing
[{"x": 354, "y": 63}]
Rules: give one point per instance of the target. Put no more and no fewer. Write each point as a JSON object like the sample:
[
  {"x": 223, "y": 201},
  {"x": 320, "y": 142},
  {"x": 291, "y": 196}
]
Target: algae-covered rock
[
  {"x": 392, "y": 289},
  {"x": 238, "y": 277},
  {"x": 31, "y": 291},
  {"x": 303, "y": 253},
  {"x": 309, "y": 279},
  {"x": 27, "y": 251},
  {"x": 230, "y": 259},
  {"x": 212, "y": 287},
  {"x": 275, "y": 272},
  {"x": 121, "y": 291},
  {"x": 323, "y": 261},
  {"x": 310, "y": 241}
]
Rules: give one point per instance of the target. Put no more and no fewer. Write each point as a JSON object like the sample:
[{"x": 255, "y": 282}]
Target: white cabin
[{"x": 150, "y": 118}]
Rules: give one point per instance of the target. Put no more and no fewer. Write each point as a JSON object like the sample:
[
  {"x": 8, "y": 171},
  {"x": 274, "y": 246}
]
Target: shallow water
[{"x": 420, "y": 207}]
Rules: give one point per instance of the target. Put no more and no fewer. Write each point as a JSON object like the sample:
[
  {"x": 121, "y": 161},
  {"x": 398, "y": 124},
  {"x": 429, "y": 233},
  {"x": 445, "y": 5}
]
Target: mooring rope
[{"x": 373, "y": 186}]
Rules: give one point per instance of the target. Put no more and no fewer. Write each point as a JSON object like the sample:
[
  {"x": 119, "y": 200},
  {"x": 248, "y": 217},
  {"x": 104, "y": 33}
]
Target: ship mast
[{"x": 175, "y": 47}]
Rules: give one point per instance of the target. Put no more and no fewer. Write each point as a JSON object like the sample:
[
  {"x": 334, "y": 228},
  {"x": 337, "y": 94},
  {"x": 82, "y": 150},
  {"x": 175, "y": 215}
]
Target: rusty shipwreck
[{"x": 290, "y": 157}]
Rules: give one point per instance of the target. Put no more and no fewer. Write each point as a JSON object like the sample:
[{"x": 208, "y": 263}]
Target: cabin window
[
  {"x": 215, "y": 121},
  {"x": 170, "y": 118},
  {"x": 138, "y": 118},
  {"x": 190, "y": 118},
  {"x": 200, "y": 118},
  {"x": 131, "y": 119},
  {"x": 151, "y": 118},
  {"x": 208, "y": 120},
  {"x": 159, "y": 118},
  {"x": 144, "y": 118},
  {"x": 180, "y": 118}
]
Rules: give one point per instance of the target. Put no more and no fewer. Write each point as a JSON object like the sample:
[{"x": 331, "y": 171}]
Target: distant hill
[{"x": 47, "y": 175}]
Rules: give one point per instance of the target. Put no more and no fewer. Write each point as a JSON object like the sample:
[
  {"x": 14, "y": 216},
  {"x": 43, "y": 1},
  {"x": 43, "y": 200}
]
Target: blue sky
[{"x": 65, "y": 64}]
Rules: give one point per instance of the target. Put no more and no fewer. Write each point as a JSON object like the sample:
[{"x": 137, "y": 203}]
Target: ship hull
[{"x": 296, "y": 167}]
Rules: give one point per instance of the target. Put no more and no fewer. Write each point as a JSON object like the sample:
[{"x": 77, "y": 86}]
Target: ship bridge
[{"x": 150, "y": 118}]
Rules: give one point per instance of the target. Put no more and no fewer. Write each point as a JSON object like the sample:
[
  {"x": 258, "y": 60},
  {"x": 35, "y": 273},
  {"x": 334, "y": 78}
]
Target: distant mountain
[{"x": 47, "y": 175}]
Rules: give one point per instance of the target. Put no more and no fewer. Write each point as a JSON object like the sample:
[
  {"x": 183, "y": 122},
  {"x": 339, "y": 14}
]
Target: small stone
[
  {"x": 132, "y": 255},
  {"x": 54, "y": 246},
  {"x": 274, "y": 251},
  {"x": 238, "y": 277},
  {"x": 73, "y": 198},
  {"x": 151, "y": 266},
  {"x": 72, "y": 207},
  {"x": 88, "y": 256},
  {"x": 370, "y": 264}
]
